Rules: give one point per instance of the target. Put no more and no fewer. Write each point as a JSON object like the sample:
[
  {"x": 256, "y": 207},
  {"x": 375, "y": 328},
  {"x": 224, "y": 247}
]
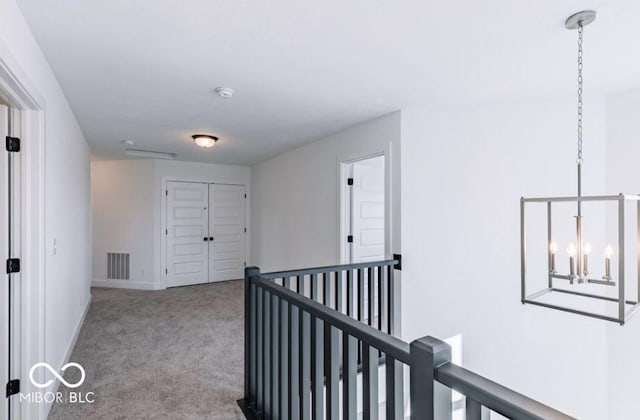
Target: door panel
[
  {"x": 367, "y": 210},
  {"x": 227, "y": 227},
  {"x": 187, "y": 226}
]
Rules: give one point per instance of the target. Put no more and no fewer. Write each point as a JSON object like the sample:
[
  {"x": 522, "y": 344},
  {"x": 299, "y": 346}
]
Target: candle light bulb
[
  {"x": 553, "y": 247},
  {"x": 571, "y": 250},
  {"x": 608, "y": 251},
  {"x": 586, "y": 250}
]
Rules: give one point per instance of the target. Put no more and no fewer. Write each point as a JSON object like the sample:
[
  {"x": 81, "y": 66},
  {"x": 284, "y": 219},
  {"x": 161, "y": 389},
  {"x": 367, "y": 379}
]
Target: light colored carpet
[{"x": 169, "y": 354}]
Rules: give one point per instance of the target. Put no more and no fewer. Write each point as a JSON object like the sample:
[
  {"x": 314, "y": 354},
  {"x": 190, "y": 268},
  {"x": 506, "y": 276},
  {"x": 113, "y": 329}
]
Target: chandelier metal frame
[{"x": 579, "y": 273}]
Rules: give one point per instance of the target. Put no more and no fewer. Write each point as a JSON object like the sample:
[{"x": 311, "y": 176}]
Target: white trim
[
  {"x": 20, "y": 93},
  {"x": 76, "y": 333},
  {"x": 163, "y": 220},
  {"x": 67, "y": 354},
  {"x": 343, "y": 161},
  {"x": 124, "y": 284}
]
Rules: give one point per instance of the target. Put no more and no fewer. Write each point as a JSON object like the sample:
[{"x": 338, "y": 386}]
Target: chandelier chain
[{"x": 580, "y": 31}]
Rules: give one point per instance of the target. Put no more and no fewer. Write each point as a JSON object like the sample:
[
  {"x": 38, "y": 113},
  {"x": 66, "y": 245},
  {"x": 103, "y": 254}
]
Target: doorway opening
[{"x": 364, "y": 213}]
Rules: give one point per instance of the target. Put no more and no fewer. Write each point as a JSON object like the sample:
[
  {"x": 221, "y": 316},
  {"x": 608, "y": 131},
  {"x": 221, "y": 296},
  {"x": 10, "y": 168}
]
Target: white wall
[
  {"x": 67, "y": 212},
  {"x": 463, "y": 173},
  {"x": 623, "y": 175},
  {"x": 295, "y": 196},
  {"x": 129, "y": 212},
  {"x": 123, "y": 213}
]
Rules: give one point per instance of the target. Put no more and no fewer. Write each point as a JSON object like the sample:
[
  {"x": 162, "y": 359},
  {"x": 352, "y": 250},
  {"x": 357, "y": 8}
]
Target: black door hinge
[
  {"x": 245, "y": 230},
  {"x": 13, "y": 144},
  {"x": 13, "y": 387},
  {"x": 245, "y": 196},
  {"x": 350, "y": 238},
  {"x": 13, "y": 265},
  {"x": 166, "y": 192},
  {"x": 349, "y": 181}
]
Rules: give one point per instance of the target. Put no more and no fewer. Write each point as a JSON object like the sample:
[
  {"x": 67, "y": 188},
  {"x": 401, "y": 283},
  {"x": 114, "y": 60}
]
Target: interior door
[
  {"x": 367, "y": 210},
  {"x": 187, "y": 233},
  {"x": 228, "y": 230},
  {"x": 4, "y": 255}
]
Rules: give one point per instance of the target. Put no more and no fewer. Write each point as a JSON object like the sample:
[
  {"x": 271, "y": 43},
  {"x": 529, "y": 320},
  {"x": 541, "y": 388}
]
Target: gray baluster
[
  {"x": 284, "y": 359},
  {"x": 260, "y": 352},
  {"x": 275, "y": 354},
  {"x": 369, "y": 382},
  {"x": 349, "y": 376},
  {"x": 317, "y": 369},
  {"x": 304, "y": 358},
  {"x": 331, "y": 370},
  {"x": 394, "y": 389},
  {"x": 267, "y": 353},
  {"x": 294, "y": 364},
  {"x": 390, "y": 302}
]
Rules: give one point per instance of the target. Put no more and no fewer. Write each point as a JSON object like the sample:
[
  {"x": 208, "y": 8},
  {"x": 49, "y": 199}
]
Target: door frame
[
  {"x": 28, "y": 108},
  {"x": 344, "y": 201},
  {"x": 163, "y": 218}
]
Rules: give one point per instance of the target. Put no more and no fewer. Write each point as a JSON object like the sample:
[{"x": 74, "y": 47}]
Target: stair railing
[{"x": 304, "y": 350}]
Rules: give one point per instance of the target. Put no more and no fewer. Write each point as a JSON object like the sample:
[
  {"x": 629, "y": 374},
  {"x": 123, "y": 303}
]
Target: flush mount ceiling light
[
  {"x": 149, "y": 154},
  {"x": 570, "y": 285},
  {"x": 204, "y": 140},
  {"x": 225, "y": 92}
]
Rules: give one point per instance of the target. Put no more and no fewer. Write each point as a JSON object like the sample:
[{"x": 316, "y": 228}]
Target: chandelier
[{"x": 568, "y": 284}]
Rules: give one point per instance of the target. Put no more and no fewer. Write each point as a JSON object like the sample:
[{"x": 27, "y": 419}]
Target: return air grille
[{"x": 117, "y": 266}]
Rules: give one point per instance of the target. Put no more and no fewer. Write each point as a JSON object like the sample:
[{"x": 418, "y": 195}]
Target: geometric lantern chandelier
[{"x": 582, "y": 281}]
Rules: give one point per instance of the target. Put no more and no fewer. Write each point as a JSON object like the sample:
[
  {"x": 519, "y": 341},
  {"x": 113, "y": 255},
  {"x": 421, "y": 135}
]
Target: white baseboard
[
  {"x": 70, "y": 347},
  {"x": 72, "y": 344},
  {"x": 124, "y": 284}
]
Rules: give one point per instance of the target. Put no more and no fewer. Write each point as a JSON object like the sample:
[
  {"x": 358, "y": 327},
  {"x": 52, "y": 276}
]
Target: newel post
[
  {"x": 429, "y": 399},
  {"x": 249, "y": 329}
]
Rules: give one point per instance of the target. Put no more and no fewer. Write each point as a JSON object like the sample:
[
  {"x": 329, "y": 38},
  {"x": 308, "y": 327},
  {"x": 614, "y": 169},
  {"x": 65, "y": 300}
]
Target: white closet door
[
  {"x": 187, "y": 233},
  {"x": 367, "y": 210},
  {"x": 227, "y": 227},
  {"x": 4, "y": 255}
]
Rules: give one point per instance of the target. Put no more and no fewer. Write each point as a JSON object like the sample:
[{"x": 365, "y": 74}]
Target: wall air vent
[{"x": 117, "y": 266}]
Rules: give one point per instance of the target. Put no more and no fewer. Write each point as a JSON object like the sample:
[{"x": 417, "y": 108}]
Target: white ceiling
[{"x": 145, "y": 70}]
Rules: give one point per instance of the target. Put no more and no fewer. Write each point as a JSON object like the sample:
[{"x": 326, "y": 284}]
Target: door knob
[
  {"x": 211, "y": 238},
  {"x": 206, "y": 239}
]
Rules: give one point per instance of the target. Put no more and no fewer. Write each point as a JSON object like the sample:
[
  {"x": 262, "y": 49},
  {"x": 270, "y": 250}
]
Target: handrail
[
  {"x": 388, "y": 344},
  {"x": 327, "y": 269},
  {"x": 494, "y": 396},
  {"x": 300, "y": 356}
]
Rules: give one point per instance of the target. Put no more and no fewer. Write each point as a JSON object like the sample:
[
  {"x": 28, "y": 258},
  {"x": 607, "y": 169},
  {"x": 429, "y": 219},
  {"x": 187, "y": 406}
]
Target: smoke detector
[{"x": 224, "y": 92}]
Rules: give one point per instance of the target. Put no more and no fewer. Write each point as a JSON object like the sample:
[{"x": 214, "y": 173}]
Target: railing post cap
[
  {"x": 429, "y": 344},
  {"x": 251, "y": 272}
]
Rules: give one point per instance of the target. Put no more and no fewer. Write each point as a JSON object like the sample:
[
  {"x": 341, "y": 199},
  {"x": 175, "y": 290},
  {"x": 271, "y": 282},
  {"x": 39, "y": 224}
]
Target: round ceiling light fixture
[
  {"x": 224, "y": 92},
  {"x": 204, "y": 140}
]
